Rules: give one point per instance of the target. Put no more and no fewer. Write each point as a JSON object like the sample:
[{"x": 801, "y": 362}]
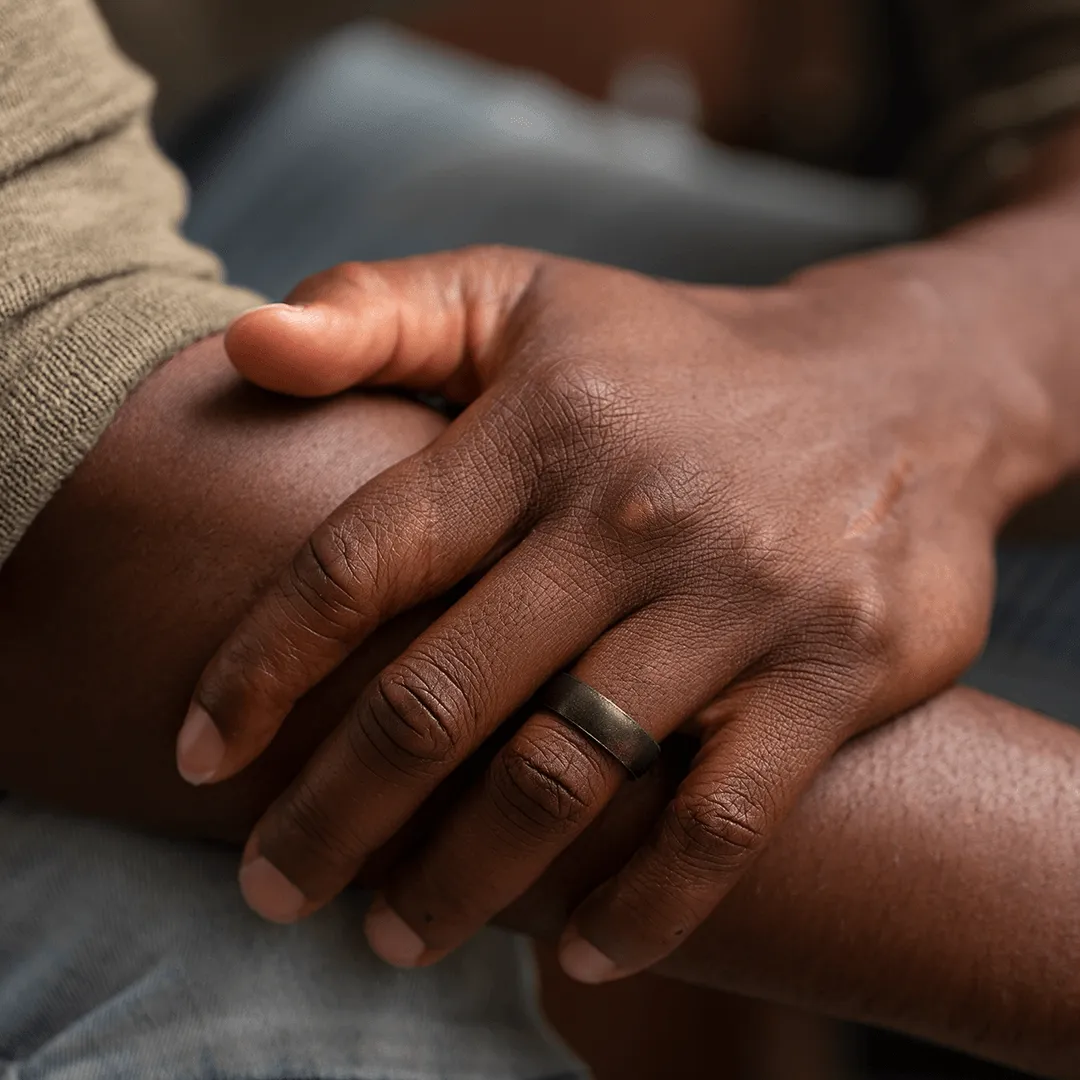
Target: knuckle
[
  {"x": 324, "y": 833},
  {"x": 332, "y": 574},
  {"x": 949, "y": 641},
  {"x": 759, "y": 549},
  {"x": 719, "y": 830},
  {"x": 249, "y": 674},
  {"x": 492, "y": 253},
  {"x": 767, "y": 552},
  {"x": 963, "y": 638},
  {"x": 359, "y": 276},
  {"x": 584, "y": 406},
  {"x": 567, "y": 423},
  {"x": 658, "y": 504},
  {"x": 413, "y": 716},
  {"x": 858, "y": 611},
  {"x": 544, "y": 784}
]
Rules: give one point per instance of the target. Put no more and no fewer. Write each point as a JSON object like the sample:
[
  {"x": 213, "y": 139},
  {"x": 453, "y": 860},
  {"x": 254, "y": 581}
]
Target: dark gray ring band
[{"x": 602, "y": 721}]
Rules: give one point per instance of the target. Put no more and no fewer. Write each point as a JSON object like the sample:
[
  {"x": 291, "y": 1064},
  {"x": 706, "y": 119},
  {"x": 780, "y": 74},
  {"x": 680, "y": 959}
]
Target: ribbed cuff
[{"x": 61, "y": 401}]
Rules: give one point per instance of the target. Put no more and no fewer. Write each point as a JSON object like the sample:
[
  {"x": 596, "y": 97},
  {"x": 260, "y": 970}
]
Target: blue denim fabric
[
  {"x": 128, "y": 957},
  {"x": 1033, "y": 656},
  {"x": 124, "y": 957},
  {"x": 376, "y": 145}
]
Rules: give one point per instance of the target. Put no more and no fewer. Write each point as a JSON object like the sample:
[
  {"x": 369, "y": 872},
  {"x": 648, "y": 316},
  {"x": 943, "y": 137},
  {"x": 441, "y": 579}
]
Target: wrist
[{"x": 981, "y": 363}]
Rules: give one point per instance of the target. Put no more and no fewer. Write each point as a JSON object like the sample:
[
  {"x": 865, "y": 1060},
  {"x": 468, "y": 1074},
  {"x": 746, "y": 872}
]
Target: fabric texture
[
  {"x": 131, "y": 957},
  {"x": 96, "y": 284}
]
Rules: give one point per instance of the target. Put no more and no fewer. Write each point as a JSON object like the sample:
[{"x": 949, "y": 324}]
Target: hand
[{"x": 772, "y": 512}]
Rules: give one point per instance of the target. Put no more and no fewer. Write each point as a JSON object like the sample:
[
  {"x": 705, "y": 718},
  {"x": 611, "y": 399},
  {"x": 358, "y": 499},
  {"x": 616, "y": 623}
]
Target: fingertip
[
  {"x": 390, "y": 936},
  {"x": 269, "y": 893},
  {"x": 584, "y": 962},
  {"x": 288, "y": 349},
  {"x": 200, "y": 748}
]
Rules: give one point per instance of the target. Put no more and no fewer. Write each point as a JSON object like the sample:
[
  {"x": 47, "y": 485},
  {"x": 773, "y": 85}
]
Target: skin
[
  {"x": 927, "y": 881},
  {"x": 769, "y": 514},
  {"x": 191, "y": 501}
]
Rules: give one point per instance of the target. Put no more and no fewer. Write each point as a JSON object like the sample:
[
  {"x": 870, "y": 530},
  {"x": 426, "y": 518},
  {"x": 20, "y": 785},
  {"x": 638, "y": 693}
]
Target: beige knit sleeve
[{"x": 96, "y": 285}]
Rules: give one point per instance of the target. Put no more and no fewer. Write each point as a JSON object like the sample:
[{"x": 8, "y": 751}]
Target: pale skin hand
[{"x": 927, "y": 881}]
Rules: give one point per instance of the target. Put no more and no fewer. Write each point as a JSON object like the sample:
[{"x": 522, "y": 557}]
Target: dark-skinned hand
[{"x": 766, "y": 513}]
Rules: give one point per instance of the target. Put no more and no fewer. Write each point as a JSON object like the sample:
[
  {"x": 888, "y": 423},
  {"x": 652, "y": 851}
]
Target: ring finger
[
  {"x": 547, "y": 785},
  {"x": 743, "y": 784}
]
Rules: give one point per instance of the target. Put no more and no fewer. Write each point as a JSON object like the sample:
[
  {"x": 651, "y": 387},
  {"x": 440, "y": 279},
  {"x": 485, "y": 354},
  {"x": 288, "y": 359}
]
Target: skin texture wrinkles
[
  {"x": 767, "y": 513},
  {"x": 763, "y": 535},
  {"x": 926, "y": 881}
]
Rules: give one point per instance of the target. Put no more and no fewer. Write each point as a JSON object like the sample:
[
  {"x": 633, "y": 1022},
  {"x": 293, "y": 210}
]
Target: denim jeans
[
  {"x": 129, "y": 957},
  {"x": 124, "y": 956}
]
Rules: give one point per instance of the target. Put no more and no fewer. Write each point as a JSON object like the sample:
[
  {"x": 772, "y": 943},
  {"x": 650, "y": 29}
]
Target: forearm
[
  {"x": 998, "y": 296},
  {"x": 926, "y": 883},
  {"x": 197, "y": 493}
]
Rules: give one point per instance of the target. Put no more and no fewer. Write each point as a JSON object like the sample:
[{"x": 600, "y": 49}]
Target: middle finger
[
  {"x": 548, "y": 784},
  {"x": 539, "y": 607}
]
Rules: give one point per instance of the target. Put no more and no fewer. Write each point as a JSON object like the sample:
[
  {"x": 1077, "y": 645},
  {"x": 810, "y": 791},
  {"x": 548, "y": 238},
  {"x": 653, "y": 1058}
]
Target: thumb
[{"x": 431, "y": 323}]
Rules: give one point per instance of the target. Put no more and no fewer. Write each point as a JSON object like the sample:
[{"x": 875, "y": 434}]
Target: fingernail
[
  {"x": 275, "y": 309},
  {"x": 285, "y": 309},
  {"x": 282, "y": 307},
  {"x": 585, "y": 962},
  {"x": 390, "y": 937},
  {"x": 200, "y": 749},
  {"x": 269, "y": 892}
]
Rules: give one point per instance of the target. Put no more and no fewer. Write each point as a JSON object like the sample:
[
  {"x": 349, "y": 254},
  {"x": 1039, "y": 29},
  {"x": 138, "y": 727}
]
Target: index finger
[{"x": 405, "y": 537}]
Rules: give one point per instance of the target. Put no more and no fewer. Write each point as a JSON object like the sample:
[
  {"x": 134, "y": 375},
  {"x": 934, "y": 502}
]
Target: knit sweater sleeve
[{"x": 97, "y": 286}]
